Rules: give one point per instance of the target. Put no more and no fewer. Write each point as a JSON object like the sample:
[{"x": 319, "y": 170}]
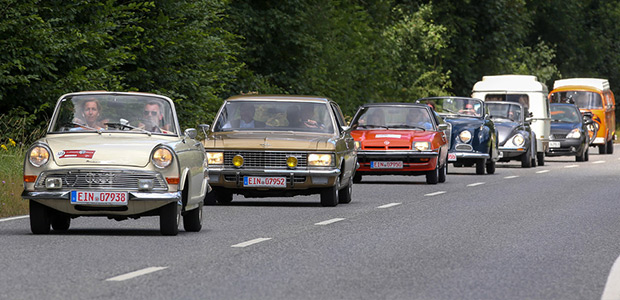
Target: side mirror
[
  {"x": 205, "y": 128},
  {"x": 443, "y": 126},
  {"x": 587, "y": 121},
  {"x": 191, "y": 133},
  {"x": 345, "y": 128}
]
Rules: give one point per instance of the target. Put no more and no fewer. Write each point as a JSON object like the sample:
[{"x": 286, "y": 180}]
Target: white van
[{"x": 524, "y": 89}]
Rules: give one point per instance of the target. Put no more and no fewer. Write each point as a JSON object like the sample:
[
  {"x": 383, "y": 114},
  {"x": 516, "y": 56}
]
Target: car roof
[
  {"x": 395, "y": 104},
  {"x": 450, "y": 97},
  {"x": 259, "y": 97}
]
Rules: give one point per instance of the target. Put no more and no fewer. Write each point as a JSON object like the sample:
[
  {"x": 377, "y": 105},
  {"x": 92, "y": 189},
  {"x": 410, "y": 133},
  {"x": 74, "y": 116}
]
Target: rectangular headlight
[
  {"x": 320, "y": 160},
  {"x": 422, "y": 146},
  {"x": 215, "y": 158}
]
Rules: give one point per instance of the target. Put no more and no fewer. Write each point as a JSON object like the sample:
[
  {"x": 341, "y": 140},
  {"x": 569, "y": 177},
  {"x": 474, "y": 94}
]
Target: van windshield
[
  {"x": 583, "y": 99},
  {"x": 523, "y": 99}
]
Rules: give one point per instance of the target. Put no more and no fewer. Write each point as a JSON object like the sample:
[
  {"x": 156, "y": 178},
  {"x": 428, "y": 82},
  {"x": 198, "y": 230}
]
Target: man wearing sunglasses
[{"x": 152, "y": 118}]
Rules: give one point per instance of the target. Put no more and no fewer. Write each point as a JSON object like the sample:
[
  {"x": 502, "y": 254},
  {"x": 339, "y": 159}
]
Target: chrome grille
[
  {"x": 273, "y": 160},
  {"x": 103, "y": 179}
]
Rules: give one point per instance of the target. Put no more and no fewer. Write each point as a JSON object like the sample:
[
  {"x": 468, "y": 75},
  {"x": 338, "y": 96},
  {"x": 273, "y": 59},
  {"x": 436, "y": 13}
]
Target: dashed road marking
[
  {"x": 476, "y": 184},
  {"x": 389, "y": 205},
  {"x": 571, "y": 166},
  {"x": 598, "y": 162},
  {"x": 330, "y": 221},
  {"x": 136, "y": 274},
  {"x": 13, "y": 218},
  {"x": 250, "y": 242},
  {"x": 511, "y": 176},
  {"x": 543, "y": 171},
  {"x": 612, "y": 287},
  {"x": 435, "y": 193}
]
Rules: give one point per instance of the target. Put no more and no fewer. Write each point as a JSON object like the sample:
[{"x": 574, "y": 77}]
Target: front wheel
[
  {"x": 526, "y": 159},
  {"x": 329, "y": 196},
  {"x": 169, "y": 217},
  {"x": 192, "y": 221},
  {"x": 344, "y": 195},
  {"x": 61, "y": 222},
  {"x": 432, "y": 177},
  {"x": 540, "y": 158},
  {"x": 442, "y": 173},
  {"x": 491, "y": 167},
  {"x": 39, "y": 218},
  {"x": 480, "y": 166},
  {"x": 610, "y": 147}
]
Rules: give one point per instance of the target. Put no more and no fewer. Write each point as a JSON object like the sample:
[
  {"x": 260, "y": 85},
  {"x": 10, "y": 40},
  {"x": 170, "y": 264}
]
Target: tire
[
  {"x": 491, "y": 167},
  {"x": 192, "y": 220},
  {"x": 329, "y": 196},
  {"x": 581, "y": 157},
  {"x": 169, "y": 217},
  {"x": 586, "y": 156},
  {"x": 39, "y": 218},
  {"x": 526, "y": 159},
  {"x": 443, "y": 171},
  {"x": 223, "y": 196},
  {"x": 61, "y": 222},
  {"x": 481, "y": 166},
  {"x": 540, "y": 158},
  {"x": 344, "y": 195},
  {"x": 602, "y": 149},
  {"x": 610, "y": 147},
  {"x": 357, "y": 178},
  {"x": 432, "y": 177}
]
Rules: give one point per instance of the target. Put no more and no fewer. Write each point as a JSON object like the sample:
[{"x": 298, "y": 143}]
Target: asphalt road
[{"x": 550, "y": 232}]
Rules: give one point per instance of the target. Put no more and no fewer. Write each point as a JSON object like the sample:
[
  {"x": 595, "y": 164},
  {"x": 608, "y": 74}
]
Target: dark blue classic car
[
  {"x": 516, "y": 139},
  {"x": 474, "y": 138},
  {"x": 569, "y": 133}
]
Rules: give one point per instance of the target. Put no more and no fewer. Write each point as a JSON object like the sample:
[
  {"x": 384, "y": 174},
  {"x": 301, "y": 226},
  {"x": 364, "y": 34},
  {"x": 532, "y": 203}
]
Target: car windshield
[
  {"x": 501, "y": 111},
  {"x": 274, "y": 116},
  {"x": 456, "y": 106},
  {"x": 113, "y": 112},
  {"x": 565, "y": 114},
  {"x": 586, "y": 100},
  {"x": 391, "y": 117},
  {"x": 522, "y": 99}
]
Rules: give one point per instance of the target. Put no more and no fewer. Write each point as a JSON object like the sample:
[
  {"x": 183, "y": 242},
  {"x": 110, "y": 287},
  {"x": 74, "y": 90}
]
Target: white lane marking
[
  {"x": 389, "y": 205},
  {"x": 136, "y": 274},
  {"x": 598, "y": 162},
  {"x": 334, "y": 220},
  {"x": 435, "y": 193},
  {"x": 476, "y": 184},
  {"x": 511, "y": 177},
  {"x": 250, "y": 242},
  {"x": 543, "y": 171},
  {"x": 612, "y": 287},
  {"x": 571, "y": 166},
  {"x": 13, "y": 218}
]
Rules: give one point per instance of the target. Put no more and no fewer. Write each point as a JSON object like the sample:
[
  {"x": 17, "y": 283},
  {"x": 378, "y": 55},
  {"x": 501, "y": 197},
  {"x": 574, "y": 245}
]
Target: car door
[{"x": 348, "y": 143}]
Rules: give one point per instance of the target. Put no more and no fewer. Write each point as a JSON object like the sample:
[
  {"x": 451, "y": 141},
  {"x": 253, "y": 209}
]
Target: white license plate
[
  {"x": 451, "y": 157},
  {"x": 255, "y": 181},
  {"x": 104, "y": 198},
  {"x": 386, "y": 164},
  {"x": 554, "y": 144}
]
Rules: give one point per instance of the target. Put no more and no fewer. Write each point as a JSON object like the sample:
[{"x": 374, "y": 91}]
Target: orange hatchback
[
  {"x": 400, "y": 139},
  {"x": 591, "y": 95}
]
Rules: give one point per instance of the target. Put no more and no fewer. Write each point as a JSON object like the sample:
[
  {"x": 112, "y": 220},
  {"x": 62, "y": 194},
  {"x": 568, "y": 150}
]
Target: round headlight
[
  {"x": 465, "y": 136},
  {"x": 162, "y": 158},
  {"x": 518, "y": 140},
  {"x": 38, "y": 156},
  {"x": 291, "y": 162},
  {"x": 237, "y": 161}
]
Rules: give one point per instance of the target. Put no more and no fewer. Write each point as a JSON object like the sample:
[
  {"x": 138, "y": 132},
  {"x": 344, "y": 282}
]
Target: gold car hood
[
  {"x": 120, "y": 149},
  {"x": 271, "y": 141}
]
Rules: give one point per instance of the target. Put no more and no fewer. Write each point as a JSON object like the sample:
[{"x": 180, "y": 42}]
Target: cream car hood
[
  {"x": 272, "y": 141},
  {"x": 106, "y": 149}
]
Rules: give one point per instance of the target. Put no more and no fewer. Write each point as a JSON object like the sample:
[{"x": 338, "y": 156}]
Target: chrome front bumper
[{"x": 133, "y": 196}]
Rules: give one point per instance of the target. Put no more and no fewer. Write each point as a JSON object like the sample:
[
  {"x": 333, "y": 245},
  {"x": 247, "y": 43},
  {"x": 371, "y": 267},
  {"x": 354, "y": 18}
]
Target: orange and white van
[{"x": 591, "y": 95}]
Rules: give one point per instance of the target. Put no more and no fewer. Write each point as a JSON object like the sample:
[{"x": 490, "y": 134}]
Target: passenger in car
[
  {"x": 417, "y": 118},
  {"x": 246, "y": 120},
  {"x": 89, "y": 114}
]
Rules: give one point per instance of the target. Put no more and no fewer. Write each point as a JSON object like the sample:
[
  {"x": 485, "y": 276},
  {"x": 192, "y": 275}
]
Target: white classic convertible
[{"x": 117, "y": 155}]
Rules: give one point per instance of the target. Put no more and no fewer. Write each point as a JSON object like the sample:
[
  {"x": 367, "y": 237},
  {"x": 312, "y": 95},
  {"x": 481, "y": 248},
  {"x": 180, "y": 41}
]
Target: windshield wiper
[
  {"x": 122, "y": 125},
  {"x": 408, "y": 126}
]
